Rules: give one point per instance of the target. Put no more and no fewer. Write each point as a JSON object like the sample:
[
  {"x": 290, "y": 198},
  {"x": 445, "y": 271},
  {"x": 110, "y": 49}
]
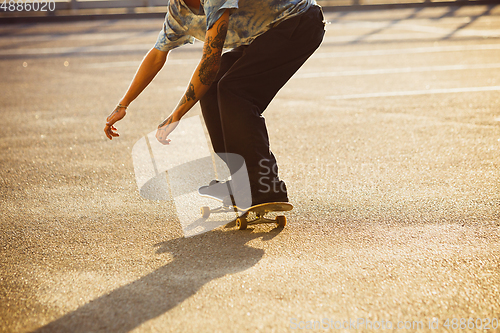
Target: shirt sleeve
[
  {"x": 163, "y": 43},
  {"x": 174, "y": 32},
  {"x": 215, "y": 8}
]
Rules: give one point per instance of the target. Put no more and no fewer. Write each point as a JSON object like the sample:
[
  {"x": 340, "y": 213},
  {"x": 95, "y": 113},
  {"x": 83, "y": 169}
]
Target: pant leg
[
  {"x": 210, "y": 103},
  {"x": 247, "y": 88}
]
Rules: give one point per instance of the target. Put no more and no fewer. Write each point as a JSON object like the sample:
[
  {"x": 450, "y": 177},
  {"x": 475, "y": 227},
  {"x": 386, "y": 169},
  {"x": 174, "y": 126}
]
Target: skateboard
[{"x": 253, "y": 215}]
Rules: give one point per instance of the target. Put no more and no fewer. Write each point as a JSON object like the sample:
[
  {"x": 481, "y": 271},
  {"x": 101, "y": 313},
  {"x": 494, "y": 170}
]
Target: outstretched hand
[
  {"x": 164, "y": 130},
  {"x": 118, "y": 113}
]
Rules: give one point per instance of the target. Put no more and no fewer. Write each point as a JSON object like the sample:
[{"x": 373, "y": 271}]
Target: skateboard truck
[{"x": 253, "y": 215}]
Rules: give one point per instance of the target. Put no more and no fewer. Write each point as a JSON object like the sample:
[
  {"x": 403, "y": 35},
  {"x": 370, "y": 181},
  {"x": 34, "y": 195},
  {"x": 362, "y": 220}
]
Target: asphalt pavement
[{"x": 388, "y": 139}]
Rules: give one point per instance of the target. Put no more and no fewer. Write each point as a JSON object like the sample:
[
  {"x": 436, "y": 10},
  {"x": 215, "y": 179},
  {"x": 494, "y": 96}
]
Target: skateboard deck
[{"x": 255, "y": 214}]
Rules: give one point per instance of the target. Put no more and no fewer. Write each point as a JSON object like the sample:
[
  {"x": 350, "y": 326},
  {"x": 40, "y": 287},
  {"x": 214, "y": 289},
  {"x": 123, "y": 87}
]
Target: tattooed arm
[
  {"x": 150, "y": 66},
  {"x": 202, "y": 78}
]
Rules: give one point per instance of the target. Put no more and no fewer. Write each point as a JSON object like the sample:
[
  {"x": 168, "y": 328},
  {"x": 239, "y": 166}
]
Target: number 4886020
[{"x": 28, "y": 5}]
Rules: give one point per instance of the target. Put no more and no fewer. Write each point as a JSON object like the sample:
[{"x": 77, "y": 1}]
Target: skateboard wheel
[
  {"x": 241, "y": 223},
  {"x": 205, "y": 212},
  {"x": 281, "y": 220}
]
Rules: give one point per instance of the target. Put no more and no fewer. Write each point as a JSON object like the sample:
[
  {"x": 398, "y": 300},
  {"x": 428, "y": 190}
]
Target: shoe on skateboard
[{"x": 217, "y": 190}]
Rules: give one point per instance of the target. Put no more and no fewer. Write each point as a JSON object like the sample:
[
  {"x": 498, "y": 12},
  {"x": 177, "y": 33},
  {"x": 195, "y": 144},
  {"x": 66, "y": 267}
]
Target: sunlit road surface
[{"x": 388, "y": 139}]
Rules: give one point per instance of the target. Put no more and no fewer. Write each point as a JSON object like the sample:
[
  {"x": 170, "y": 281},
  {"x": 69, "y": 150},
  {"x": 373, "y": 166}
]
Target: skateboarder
[{"x": 269, "y": 42}]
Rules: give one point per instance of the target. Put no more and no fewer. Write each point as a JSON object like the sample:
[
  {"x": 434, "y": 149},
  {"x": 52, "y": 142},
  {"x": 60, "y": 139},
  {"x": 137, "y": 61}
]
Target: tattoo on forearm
[
  {"x": 207, "y": 48},
  {"x": 208, "y": 69},
  {"x": 220, "y": 38},
  {"x": 167, "y": 122},
  {"x": 190, "y": 94},
  {"x": 211, "y": 55}
]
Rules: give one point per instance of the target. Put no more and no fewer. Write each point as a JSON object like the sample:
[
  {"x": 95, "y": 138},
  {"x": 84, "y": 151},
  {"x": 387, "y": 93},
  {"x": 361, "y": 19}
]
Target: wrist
[
  {"x": 175, "y": 116},
  {"x": 172, "y": 118},
  {"x": 124, "y": 103}
]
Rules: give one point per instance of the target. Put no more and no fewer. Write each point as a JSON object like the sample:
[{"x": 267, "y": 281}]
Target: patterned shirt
[{"x": 248, "y": 20}]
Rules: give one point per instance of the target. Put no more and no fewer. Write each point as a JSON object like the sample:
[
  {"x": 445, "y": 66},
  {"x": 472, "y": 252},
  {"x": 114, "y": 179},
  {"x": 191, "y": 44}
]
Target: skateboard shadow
[{"x": 196, "y": 261}]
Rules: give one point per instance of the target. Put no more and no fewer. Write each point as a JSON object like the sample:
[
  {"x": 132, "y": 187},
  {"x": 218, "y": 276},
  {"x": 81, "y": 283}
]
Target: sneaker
[
  {"x": 274, "y": 191},
  {"x": 271, "y": 197},
  {"x": 243, "y": 201},
  {"x": 216, "y": 189}
]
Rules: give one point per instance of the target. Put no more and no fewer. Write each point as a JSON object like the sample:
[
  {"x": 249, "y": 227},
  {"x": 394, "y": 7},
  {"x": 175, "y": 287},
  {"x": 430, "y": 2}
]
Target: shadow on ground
[{"x": 196, "y": 261}]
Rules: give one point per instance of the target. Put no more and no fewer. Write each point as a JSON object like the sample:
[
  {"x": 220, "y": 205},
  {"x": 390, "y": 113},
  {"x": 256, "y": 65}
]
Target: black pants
[{"x": 248, "y": 79}]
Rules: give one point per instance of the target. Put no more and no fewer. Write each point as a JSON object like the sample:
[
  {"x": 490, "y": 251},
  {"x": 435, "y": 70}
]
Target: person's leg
[
  {"x": 247, "y": 88},
  {"x": 210, "y": 109},
  {"x": 210, "y": 103}
]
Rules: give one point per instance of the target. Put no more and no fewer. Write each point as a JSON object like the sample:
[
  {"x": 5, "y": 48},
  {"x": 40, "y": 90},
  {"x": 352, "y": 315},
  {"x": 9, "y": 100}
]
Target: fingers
[
  {"x": 117, "y": 114},
  {"x": 164, "y": 142},
  {"x": 108, "y": 130},
  {"x": 161, "y": 136},
  {"x": 164, "y": 130}
]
